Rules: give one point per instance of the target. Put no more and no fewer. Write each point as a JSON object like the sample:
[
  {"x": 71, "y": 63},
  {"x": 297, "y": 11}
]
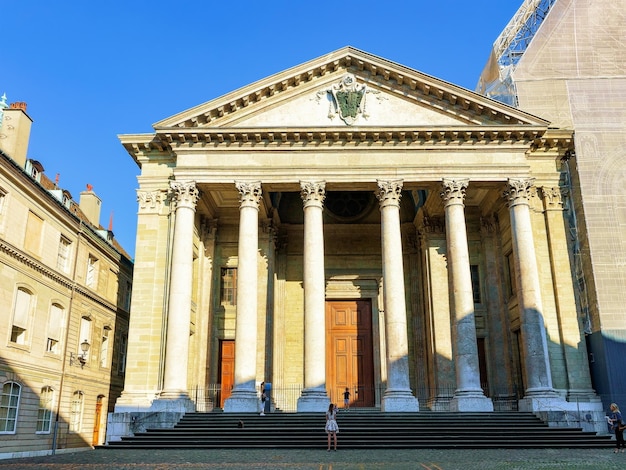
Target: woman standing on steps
[{"x": 331, "y": 425}]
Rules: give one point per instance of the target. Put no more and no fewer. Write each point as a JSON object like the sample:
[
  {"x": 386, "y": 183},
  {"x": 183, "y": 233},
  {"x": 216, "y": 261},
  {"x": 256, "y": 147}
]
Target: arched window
[
  {"x": 104, "y": 347},
  {"x": 44, "y": 414},
  {"x": 76, "y": 411},
  {"x": 55, "y": 328},
  {"x": 9, "y": 406}
]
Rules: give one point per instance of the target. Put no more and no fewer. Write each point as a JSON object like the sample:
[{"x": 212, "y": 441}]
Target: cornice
[
  {"x": 28, "y": 261},
  {"x": 533, "y": 137}
]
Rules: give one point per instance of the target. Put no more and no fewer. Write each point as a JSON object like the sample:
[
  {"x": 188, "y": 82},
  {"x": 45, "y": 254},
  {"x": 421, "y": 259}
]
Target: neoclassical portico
[{"x": 359, "y": 239}]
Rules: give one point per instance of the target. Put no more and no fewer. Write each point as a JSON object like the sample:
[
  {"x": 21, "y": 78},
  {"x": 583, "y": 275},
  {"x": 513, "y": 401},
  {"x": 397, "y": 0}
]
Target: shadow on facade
[{"x": 31, "y": 417}]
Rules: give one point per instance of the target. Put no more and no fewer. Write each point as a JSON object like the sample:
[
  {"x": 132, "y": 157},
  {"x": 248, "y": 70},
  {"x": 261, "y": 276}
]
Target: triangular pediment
[{"x": 349, "y": 88}]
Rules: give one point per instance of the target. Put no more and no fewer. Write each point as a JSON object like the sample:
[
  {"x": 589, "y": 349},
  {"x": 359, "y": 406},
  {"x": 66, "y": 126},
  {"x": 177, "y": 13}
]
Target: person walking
[
  {"x": 331, "y": 425},
  {"x": 618, "y": 426}
]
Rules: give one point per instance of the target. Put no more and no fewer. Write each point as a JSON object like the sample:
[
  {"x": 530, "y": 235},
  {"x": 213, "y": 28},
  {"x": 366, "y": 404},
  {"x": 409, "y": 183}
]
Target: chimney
[
  {"x": 90, "y": 205},
  {"x": 15, "y": 132}
]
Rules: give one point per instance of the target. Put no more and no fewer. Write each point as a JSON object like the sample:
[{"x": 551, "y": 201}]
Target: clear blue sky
[{"x": 92, "y": 70}]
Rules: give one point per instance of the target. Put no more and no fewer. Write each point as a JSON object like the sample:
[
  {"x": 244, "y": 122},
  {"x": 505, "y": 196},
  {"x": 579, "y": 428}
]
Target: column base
[
  {"x": 242, "y": 401},
  {"x": 471, "y": 402},
  {"x": 399, "y": 401},
  {"x": 544, "y": 402},
  {"x": 313, "y": 401},
  {"x": 135, "y": 401},
  {"x": 173, "y": 405}
]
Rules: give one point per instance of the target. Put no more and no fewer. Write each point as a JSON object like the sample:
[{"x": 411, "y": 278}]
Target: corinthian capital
[
  {"x": 185, "y": 194},
  {"x": 151, "y": 200},
  {"x": 518, "y": 191},
  {"x": 313, "y": 192},
  {"x": 389, "y": 193},
  {"x": 453, "y": 191},
  {"x": 250, "y": 193},
  {"x": 553, "y": 197}
]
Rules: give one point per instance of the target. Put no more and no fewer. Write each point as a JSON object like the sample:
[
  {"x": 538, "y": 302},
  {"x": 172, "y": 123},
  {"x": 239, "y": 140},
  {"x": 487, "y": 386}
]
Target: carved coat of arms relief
[{"x": 347, "y": 99}]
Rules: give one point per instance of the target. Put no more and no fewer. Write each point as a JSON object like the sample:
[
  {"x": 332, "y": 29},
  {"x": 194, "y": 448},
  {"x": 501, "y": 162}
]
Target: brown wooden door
[
  {"x": 97, "y": 421},
  {"x": 227, "y": 369},
  {"x": 349, "y": 358}
]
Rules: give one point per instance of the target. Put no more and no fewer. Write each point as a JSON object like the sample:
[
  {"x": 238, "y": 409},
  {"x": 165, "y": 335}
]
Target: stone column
[
  {"x": 577, "y": 374},
  {"x": 497, "y": 309},
  {"x": 179, "y": 305},
  {"x": 441, "y": 380},
  {"x": 468, "y": 395},
  {"x": 314, "y": 397},
  {"x": 244, "y": 397},
  {"x": 540, "y": 394},
  {"x": 397, "y": 396}
]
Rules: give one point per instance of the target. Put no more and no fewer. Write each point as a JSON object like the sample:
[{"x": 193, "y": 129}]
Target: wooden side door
[
  {"x": 227, "y": 369},
  {"x": 97, "y": 420},
  {"x": 350, "y": 360}
]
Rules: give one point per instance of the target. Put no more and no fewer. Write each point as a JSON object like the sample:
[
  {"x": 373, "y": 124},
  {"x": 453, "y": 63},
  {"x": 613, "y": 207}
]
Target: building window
[
  {"x": 9, "y": 406},
  {"x": 92, "y": 272},
  {"x": 76, "y": 411},
  {"x": 32, "y": 237},
  {"x": 21, "y": 316},
  {"x": 63, "y": 256},
  {"x": 44, "y": 414},
  {"x": 509, "y": 273},
  {"x": 475, "y": 274},
  {"x": 55, "y": 327},
  {"x": 127, "y": 296},
  {"x": 35, "y": 169},
  {"x": 104, "y": 347},
  {"x": 228, "y": 286},
  {"x": 84, "y": 336},
  {"x": 121, "y": 363}
]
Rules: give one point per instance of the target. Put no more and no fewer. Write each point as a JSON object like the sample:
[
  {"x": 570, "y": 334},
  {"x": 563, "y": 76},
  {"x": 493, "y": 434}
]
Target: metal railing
[{"x": 285, "y": 398}]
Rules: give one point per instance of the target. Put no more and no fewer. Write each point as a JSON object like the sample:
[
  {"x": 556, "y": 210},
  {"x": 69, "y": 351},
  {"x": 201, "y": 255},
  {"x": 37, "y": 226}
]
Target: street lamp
[{"x": 80, "y": 358}]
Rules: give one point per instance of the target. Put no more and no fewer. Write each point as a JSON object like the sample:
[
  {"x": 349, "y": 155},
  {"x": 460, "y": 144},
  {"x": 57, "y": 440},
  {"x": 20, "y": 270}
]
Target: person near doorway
[
  {"x": 331, "y": 425},
  {"x": 263, "y": 398},
  {"x": 346, "y": 399},
  {"x": 618, "y": 426}
]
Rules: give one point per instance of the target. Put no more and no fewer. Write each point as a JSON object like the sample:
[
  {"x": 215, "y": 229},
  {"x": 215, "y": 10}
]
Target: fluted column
[
  {"x": 179, "y": 305},
  {"x": 397, "y": 396},
  {"x": 539, "y": 391},
  {"x": 314, "y": 397},
  {"x": 468, "y": 395},
  {"x": 578, "y": 378},
  {"x": 244, "y": 397}
]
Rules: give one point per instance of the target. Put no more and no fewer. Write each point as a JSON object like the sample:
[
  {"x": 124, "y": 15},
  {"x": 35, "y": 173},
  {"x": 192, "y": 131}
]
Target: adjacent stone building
[
  {"x": 565, "y": 61},
  {"x": 352, "y": 222},
  {"x": 65, "y": 288}
]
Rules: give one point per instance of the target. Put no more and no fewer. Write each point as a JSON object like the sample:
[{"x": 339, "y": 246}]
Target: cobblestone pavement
[{"x": 252, "y": 459}]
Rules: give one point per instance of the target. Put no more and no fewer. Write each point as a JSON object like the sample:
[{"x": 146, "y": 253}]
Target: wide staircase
[{"x": 364, "y": 429}]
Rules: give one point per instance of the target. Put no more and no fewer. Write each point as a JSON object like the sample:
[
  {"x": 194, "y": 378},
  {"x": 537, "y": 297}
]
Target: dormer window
[{"x": 34, "y": 169}]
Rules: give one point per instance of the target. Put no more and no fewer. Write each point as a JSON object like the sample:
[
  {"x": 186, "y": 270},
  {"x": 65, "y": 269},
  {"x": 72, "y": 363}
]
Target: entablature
[{"x": 419, "y": 136}]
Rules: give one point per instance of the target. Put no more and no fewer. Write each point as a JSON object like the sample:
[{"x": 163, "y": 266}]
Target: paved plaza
[{"x": 251, "y": 459}]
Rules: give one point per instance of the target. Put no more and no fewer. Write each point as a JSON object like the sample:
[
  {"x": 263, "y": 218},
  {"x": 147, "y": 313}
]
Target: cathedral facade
[{"x": 353, "y": 223}]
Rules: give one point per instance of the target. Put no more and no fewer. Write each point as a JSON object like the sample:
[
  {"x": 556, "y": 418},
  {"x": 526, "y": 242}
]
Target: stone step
[{"x": 364, "y": 429}]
